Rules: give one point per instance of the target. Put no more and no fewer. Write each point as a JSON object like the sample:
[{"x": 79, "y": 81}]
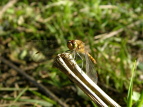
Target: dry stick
[
  {"x": 66, "y": 64},
  {"x": 17, "y": 89},
  {"x": 108, "y": 35},
  {"x": 61, "y": 64},
  {"x": 8, "y": 5},
  {"x": 40, "y": 86}
]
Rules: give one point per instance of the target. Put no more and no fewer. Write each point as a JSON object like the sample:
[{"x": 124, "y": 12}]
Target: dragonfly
[
  {"x": 43, "y": 51},
  {"x": 77, "y": 48}
]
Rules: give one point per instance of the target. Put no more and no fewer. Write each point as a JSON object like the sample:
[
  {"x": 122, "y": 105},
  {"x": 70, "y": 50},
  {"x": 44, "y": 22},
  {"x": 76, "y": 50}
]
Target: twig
[
  {"x": 31, "y": 79},
  {"x": 108, "y": 35},
  {"x": 66, "y": 64},
  {"x": 16, "y": 89},
  {"x": 8, "y": 5}
]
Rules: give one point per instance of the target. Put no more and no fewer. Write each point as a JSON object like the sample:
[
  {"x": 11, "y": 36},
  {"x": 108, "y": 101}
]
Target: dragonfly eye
[
  {"x": 70, "y": 45},
  {"x": 74, "y": 44}
]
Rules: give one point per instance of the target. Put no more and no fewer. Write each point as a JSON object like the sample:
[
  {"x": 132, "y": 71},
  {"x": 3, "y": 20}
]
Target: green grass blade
[
  {"x": 43, "y": 97},
  {"x": 18, "y": 97},
  {"x": 130, "y": 91}
]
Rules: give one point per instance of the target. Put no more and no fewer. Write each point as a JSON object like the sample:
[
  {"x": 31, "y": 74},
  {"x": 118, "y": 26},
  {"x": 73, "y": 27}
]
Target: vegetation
[{"x": 33, "y": 32}]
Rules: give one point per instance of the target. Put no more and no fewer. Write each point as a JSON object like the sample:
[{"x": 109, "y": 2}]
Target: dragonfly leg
[{"x": 81, "y": 59}]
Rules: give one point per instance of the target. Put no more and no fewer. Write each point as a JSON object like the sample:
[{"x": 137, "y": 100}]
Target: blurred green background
[{"x": 33, "y": 32}]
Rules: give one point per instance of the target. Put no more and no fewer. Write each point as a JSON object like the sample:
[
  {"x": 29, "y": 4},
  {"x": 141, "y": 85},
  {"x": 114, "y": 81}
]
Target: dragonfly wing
[
  {"x": 80, "y": 59},
  {"x": 41, "y": 50},
  {"x": 85, "y": 63},
  {"x": 91, "y": 69}
]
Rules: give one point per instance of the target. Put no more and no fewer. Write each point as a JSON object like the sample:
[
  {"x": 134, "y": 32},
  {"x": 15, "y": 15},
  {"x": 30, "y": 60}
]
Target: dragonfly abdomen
[{"x": 92, "y": 59}]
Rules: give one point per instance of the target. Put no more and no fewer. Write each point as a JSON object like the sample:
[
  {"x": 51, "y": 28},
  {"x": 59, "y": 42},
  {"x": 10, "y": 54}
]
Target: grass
[
  {"x": 58, "y": 21},
  {"x": 130, "y": 91}
]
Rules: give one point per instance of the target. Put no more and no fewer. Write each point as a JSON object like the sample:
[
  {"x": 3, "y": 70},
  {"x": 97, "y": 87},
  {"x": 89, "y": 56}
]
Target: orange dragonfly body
[{"x": 77, "y": 46}]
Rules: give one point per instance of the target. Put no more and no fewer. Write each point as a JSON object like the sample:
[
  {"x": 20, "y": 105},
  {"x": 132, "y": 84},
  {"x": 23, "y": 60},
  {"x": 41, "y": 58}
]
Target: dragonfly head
[{"x": 72, "y": 45}]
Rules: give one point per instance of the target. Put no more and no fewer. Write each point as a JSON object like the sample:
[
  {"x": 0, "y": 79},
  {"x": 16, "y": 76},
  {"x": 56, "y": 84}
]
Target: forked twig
[
  {"x": 113, "y": 33},
  {"x": 67, "y": 65}
]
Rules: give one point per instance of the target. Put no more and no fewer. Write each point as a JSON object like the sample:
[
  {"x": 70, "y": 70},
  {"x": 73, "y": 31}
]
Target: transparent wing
[
  {"x": 80, "y": 59},
  {"x": 86, "y": 65},
  {"x": 41, "y": 50},
  {"x": 91, "y": 69}
]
